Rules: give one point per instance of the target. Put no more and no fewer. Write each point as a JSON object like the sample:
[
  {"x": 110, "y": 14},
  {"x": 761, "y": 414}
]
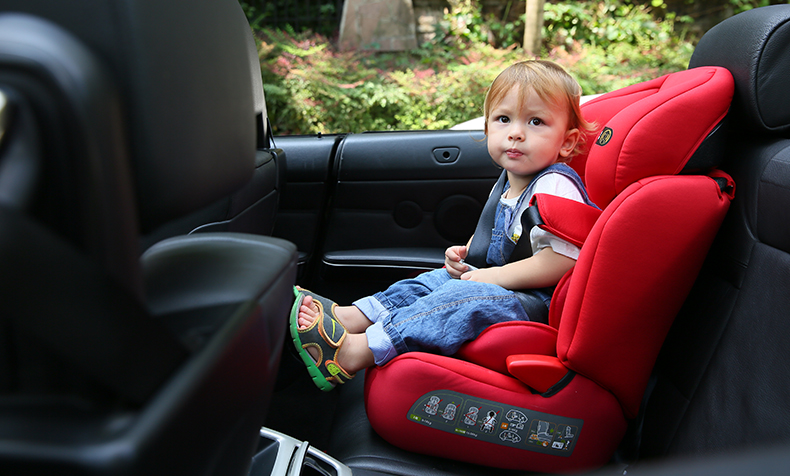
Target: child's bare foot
[
  {"x": 354, "y": 354},
  {"x": 350, "y": 316},
  {"x": 308, "y": 313}
]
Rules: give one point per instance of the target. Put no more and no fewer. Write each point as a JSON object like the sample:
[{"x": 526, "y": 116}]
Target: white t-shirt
[{"x": 553, "y": 184}]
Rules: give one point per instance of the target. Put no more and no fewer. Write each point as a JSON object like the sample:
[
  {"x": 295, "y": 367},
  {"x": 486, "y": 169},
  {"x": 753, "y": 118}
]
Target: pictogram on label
[{"x": 494, "y": 422}]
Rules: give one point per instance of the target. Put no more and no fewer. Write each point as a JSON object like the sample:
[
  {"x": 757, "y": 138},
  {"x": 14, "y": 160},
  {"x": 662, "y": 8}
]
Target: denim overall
[
  {"x": 436, "y": 313},
  {"x": 501, "y": 245}
]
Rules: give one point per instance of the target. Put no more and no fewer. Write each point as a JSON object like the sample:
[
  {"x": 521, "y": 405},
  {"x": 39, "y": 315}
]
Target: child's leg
[
  {"x": 402, "y": 294},
  {"x": 445, "y": 319},
  {"x": 364, "y": 312},
  {"x": 350, "y": 316},
  {"x": 356, "y": 352}
]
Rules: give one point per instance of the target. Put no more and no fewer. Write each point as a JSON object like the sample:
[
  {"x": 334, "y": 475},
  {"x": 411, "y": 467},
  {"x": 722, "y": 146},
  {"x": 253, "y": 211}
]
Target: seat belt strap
[
  {"x": 530, "y": 217},
  {"x": 478, "y": 249}
]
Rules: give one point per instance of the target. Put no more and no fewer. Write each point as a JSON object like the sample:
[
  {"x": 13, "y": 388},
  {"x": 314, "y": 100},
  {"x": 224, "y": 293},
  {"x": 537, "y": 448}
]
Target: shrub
[
  {"x": 310, "y": 87},
  {"x": 605, "y": 23},
  {"x": 612, "y": 44}
]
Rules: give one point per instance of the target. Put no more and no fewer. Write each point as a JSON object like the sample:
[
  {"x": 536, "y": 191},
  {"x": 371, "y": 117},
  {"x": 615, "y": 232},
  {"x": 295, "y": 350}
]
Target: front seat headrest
[{"x": 183, "y": 70}]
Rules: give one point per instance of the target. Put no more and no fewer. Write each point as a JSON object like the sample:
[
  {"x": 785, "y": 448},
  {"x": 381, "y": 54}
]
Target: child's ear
[{"x": 569, "y": 144}]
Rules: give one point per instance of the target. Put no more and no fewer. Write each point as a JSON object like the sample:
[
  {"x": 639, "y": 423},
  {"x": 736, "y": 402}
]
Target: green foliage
[
  {"x": 743, "y": 5},
  {"x": 612, "y": 44},
  {"x": 465, "y": 24},
  {"x": 600, "y": 69},
  {"x": 322, "y": 19},
  {"x": 443, "y": 98},
  {"x": 465, "y": 21},
  {"x": 310, "y": 87},
  {"x": 606, "y": 23}
]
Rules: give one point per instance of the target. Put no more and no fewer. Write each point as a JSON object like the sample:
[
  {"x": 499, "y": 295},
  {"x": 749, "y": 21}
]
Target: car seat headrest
[
  {"x": 753, "y": 46},
  {"x": 652, "y": 128},
  {"x": 192, "y": 104}
]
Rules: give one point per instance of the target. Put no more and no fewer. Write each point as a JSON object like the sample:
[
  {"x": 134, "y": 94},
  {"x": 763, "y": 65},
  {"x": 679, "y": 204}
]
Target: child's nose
[{"x": 516, "y": 134}]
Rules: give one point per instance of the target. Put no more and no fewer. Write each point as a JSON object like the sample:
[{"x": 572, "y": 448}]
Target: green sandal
[{"x": 326, "y": 335}]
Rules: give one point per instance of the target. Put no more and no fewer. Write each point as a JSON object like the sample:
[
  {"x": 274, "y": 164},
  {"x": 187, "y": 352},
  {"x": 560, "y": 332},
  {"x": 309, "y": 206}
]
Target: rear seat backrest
[{"x": 723, "y": 378}]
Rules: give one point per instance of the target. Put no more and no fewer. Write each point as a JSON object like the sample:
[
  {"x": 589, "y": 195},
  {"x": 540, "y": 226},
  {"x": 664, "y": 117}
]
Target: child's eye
[
  {"x": 503, "y": 119},
  {"x": 535, "y": 121}
]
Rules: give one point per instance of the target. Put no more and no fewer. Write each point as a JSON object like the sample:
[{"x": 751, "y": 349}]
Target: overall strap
[{"x": 478, "y": 249}]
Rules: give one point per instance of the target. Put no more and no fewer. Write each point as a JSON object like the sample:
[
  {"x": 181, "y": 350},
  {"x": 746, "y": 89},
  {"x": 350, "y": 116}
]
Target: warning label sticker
[{"x": 494, "y": 422}]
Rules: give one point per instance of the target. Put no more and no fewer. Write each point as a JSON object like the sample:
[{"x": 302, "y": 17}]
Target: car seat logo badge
[
  {"x": 605, "y": 137},
  {"x": 494, "y": 422}
]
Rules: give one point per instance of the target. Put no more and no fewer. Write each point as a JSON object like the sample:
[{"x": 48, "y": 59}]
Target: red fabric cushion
[
  {"x": 651, "y": 128},
  {"x": 558, "y": 299},
  {"x": 566, "y": 218},
  {"x": 493, "y": 346},
  {"x": 391, "y": 390},
  {"x": 633, "y": 274}
]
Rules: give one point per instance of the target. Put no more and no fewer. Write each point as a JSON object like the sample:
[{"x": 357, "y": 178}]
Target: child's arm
[{"x": 545, "y": 268}]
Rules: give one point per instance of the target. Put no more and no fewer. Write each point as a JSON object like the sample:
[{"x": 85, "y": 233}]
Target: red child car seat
[{"x": 557, "y": 397}]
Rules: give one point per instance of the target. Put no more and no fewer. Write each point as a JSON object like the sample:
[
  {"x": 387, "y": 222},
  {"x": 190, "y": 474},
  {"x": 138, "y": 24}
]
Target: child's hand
[
  {"x": 453, "y": 260},
  {"x": 485, "y": 275}
]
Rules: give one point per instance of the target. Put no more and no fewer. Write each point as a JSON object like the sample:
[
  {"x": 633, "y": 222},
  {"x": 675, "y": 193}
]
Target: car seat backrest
[
  {"x": 639, "y": 261},
  {"x": 164, "y": 130},
  {"x": 180, "y": 125},
  {"x": 753, "y": 47},
  {"x": 723, "y": 370}
]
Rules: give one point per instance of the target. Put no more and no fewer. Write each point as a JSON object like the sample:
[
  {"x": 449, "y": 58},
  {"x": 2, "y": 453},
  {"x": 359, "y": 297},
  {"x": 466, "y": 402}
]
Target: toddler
[{"x": 533, "y": 125}]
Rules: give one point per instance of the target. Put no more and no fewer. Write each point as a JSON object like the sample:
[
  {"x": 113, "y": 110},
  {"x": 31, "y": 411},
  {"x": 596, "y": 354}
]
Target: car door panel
[
  {"x": 410, "y": 155},
  {"x": 305, "y": 195},
  {"x": 390, "y": 204}
]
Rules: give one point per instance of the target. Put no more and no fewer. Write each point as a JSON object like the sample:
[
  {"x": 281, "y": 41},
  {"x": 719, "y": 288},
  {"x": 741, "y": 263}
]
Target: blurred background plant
[{"x": 312, "y": 87}]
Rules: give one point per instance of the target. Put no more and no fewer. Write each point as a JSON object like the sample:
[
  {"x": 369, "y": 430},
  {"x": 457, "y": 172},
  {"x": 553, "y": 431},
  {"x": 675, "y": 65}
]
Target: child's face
[{"x": 526, "y": 138}]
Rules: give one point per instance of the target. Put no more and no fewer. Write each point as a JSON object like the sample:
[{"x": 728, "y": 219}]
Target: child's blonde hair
[{"x": 552, "y": 84}]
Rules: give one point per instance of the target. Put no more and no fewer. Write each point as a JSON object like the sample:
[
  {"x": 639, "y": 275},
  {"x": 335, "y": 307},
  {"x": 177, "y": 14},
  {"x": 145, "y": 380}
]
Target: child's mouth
[{"x": 513, "y": 153}]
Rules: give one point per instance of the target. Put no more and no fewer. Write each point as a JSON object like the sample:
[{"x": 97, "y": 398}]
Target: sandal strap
[{"x": 325, "y": 335}]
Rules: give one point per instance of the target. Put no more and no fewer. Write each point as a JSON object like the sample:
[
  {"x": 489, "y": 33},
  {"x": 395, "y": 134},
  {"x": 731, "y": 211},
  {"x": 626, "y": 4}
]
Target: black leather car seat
[
  {"x": 722, "y": 380},
  {"x": 120, "y": 116}
]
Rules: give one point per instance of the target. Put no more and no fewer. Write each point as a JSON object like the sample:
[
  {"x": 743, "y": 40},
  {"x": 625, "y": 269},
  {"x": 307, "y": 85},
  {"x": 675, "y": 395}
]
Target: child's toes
[
  {"x": 304, "y": 322},
  {"x": 308, "y": 312}
]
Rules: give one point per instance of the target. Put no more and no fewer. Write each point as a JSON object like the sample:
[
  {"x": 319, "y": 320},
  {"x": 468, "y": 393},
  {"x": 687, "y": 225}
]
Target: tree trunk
[{"x": 533, "y": 26}]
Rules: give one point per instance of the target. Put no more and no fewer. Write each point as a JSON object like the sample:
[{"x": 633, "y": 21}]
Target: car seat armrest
[
  {"x": 493, "y": 346},
  {"x": 539, "y": 372},
  {"x": 565, "y": 218}
]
